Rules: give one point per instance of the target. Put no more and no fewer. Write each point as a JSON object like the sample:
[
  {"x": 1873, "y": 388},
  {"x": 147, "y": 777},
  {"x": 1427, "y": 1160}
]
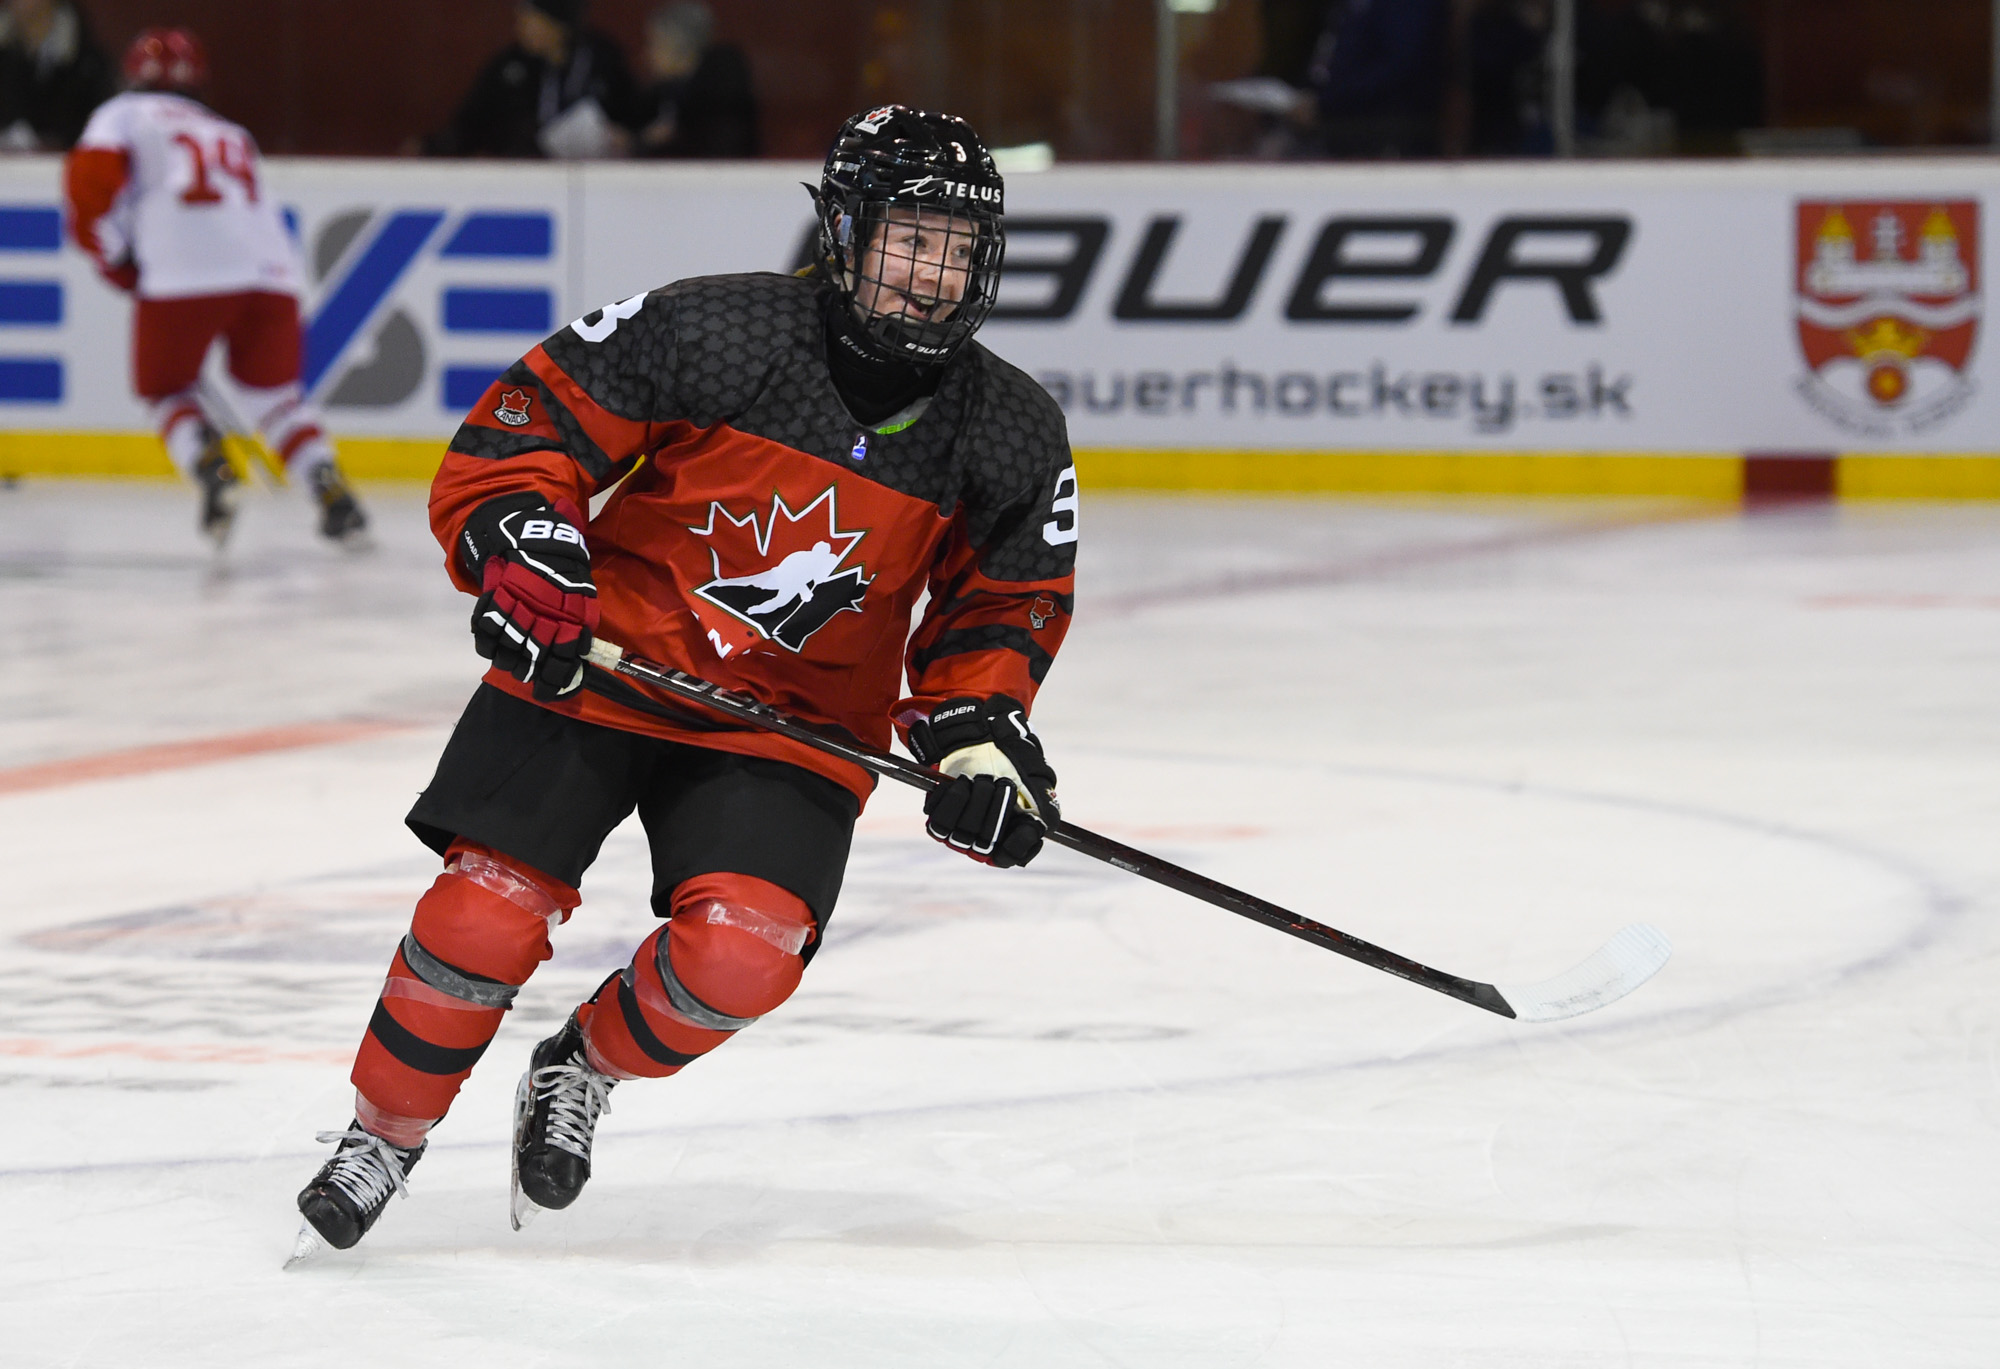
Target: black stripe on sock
[
  {"x": 655, "y": 1049},
  {"x": 417, "y": 1053}
]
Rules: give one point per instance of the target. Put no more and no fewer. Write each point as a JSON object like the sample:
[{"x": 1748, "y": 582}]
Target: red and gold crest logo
[{"x": 1888, "y": 310}]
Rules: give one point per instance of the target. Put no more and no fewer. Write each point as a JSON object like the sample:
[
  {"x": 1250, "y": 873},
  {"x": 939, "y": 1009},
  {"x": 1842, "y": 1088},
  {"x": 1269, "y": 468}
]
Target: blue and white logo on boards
[
  {"x": 31, "y": 305},
  {"x": 369, "y": 346}
]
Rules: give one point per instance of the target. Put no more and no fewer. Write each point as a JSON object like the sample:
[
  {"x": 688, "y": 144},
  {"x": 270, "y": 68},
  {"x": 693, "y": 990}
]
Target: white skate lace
[
  {"x": 367, "y": 1168},
  {"x": 577, "y": 1096}
]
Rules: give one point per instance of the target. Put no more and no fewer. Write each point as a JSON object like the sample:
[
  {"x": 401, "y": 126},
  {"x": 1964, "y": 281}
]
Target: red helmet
[{"x": 166, "y": 59}]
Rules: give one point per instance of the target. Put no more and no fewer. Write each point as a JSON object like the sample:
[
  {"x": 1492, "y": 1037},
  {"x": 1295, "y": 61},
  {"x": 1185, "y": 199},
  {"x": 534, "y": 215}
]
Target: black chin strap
[{"x": 873, "y": 386}]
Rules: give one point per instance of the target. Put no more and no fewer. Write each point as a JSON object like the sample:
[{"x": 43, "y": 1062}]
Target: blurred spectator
[
  {"x": 1710, "y": 73},
  {"x": 1507, "y": 75},
  {"x": 1652, "y": 77},
  {"x": 558, "y": 90},
  {"x": 52, "y": 75},
  {"x": 1378, "y": 78},
  {"x": 1290, "y": 31},
  {"x": 700, "y": 103}
]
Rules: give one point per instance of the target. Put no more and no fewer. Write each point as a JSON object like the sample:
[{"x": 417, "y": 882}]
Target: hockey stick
[
  {"x": 250, "y": 452},
  {"x": 1625, "y": 962}
]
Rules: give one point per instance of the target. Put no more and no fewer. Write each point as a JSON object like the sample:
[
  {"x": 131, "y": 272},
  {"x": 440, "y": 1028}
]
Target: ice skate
[
  {"x": 350, "y": 1191},
  {"x": 556, "y": 1109},
  {"x": 340, "y": 517},
  {"x": 221, "y": 490}
]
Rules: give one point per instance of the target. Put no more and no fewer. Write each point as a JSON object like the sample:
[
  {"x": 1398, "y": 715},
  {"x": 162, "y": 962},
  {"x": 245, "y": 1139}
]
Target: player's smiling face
[{"x": 916, "y": 265}]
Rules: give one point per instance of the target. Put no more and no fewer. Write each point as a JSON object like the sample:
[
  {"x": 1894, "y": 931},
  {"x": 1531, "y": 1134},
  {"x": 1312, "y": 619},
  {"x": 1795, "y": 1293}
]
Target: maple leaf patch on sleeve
[{"x": 513, "y": 410}]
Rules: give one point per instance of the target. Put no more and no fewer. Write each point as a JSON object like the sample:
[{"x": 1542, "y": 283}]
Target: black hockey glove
[
  {"x": 538, "y": 607},
  {"x": 1002, "y": 794}
]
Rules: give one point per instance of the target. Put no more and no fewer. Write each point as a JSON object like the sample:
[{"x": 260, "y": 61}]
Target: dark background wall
[
  {"x": 364, "y": 76},
  {"x": 1903, "y": 72}
]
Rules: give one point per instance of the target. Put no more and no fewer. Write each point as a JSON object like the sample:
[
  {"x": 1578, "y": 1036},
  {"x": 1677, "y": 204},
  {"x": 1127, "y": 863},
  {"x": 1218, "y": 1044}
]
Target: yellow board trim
[
  {"x": 1917, "y": 477},
  {"x": 1691, "y": 475},
  {"x": 1696, "y": 476},
  {"x": 139, "y": 456},
  {"x": 130, "y": 455}
]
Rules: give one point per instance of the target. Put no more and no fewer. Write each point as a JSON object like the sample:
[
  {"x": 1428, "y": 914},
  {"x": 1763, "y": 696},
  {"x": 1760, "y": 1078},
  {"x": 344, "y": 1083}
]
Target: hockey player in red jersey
[
  {"x": 168, "y": 199},
  {"x": 802, "y": 458}
]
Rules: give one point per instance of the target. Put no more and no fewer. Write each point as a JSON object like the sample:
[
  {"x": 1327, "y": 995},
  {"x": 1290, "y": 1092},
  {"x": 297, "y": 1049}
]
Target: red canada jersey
[{"x": 760, "y": 537}]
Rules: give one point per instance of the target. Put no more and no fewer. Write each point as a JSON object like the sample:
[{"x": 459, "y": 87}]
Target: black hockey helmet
[{"x": 925, "y": 287}]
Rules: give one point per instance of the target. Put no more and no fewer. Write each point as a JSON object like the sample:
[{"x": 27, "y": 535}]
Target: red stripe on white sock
[{"x": 289, "y": 447}]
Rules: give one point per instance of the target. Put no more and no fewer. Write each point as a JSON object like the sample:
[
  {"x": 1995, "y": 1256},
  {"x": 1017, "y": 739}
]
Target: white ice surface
[{"x": 1062, "y": 1117}]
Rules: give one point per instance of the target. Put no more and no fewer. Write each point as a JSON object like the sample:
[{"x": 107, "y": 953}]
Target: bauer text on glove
[
  {"x": 1001, "y": 797},
  {"x": 538, "y": 605}
]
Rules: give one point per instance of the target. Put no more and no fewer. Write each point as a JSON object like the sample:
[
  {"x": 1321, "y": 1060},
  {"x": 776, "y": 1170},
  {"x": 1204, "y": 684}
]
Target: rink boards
[{"x": 1689, "y": 329}]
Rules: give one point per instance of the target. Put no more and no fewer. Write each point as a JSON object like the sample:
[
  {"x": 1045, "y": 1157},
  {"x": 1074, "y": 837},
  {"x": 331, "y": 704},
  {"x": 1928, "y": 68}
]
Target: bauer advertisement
[{"x": 1711, "y": 308}]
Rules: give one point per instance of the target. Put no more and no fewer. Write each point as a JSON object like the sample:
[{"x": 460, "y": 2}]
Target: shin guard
[
  {"x": 477, "y": 935},
  {"x": 729, "y": 954}
]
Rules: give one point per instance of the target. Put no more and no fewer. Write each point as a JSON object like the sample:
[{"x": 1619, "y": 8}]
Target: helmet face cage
[{"x": 910, "y": 225}]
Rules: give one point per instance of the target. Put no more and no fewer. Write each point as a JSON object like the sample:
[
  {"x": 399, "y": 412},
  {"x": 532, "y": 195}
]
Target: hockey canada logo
[
  {"x": 1888, "y": 311},
  {"x": 1039, "y": 612},
  {"x": 513, "y": 410},
  {"x": 779, "y": 578}
]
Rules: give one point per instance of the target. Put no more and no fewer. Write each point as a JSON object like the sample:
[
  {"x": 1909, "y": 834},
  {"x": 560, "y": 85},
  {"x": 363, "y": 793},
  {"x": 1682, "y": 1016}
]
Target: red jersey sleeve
[
  {"x": 566, "y": 421},
  {"x": 92, "y": 178},
  {"x": 1001, "y": 595}
]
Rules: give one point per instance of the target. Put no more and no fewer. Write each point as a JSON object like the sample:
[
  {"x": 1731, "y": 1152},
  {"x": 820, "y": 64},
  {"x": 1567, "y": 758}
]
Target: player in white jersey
[{"x": 167, "y": 197}]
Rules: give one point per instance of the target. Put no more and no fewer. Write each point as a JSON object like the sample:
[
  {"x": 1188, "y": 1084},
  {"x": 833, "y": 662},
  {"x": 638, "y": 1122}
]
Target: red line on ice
[
  {"x": 145, "y": 760},
  {"x": 189, "y": 1053}
]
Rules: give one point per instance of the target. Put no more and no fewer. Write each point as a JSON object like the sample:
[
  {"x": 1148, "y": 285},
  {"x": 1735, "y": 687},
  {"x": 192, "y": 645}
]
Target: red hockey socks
[
  {"x": 729, "y": 954},
  {"x": 477, "y": 935}
]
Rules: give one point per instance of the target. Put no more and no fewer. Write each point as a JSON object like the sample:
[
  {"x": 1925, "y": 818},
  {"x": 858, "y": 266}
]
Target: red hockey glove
[
  {"x": 123, "y": 274},
  {"x": 539, "y": 606},
  {"x": 1002, "y": 794}
]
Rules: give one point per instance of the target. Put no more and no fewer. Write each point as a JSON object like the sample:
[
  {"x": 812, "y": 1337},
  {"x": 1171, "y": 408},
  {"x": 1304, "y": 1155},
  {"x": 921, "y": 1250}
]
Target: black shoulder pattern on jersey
[
  {"x": 1017, "y": 448},
  {"x": 736, "y": 334},
  {"x": 961, "y": 641},
  {"x": 625, "y": 364},
  {"x": 494, "y": 445}
]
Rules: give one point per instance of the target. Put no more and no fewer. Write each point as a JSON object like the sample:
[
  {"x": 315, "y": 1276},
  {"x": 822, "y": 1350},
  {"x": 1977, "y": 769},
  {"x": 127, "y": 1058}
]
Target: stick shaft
[{"x": 1079, "y": 839}]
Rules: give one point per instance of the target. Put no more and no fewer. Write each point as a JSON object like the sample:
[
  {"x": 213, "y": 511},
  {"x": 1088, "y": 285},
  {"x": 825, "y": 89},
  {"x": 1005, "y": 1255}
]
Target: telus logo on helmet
[{"x": 944, "y": 189}]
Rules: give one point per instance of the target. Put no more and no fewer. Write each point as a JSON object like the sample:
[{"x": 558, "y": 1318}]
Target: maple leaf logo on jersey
[
  {"x": 513, "y": 410},
  {"x": 782, "y": 577},
  {"x": 1039, "y": 612}
]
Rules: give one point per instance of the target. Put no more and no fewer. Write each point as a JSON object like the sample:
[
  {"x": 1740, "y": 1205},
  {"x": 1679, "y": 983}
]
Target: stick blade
[{"x": 1632, "y": 956}]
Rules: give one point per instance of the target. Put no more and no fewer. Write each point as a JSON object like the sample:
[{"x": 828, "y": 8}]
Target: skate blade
[
  {"x": 309, "y": 1248},
  {"x": 521, "y": 1209}
]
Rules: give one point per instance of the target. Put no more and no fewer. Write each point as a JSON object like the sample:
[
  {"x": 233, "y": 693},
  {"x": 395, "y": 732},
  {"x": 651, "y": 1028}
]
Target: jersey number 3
[
  {"x": 1062, "y": 528},
  {"x": 608, "y": 318}
]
